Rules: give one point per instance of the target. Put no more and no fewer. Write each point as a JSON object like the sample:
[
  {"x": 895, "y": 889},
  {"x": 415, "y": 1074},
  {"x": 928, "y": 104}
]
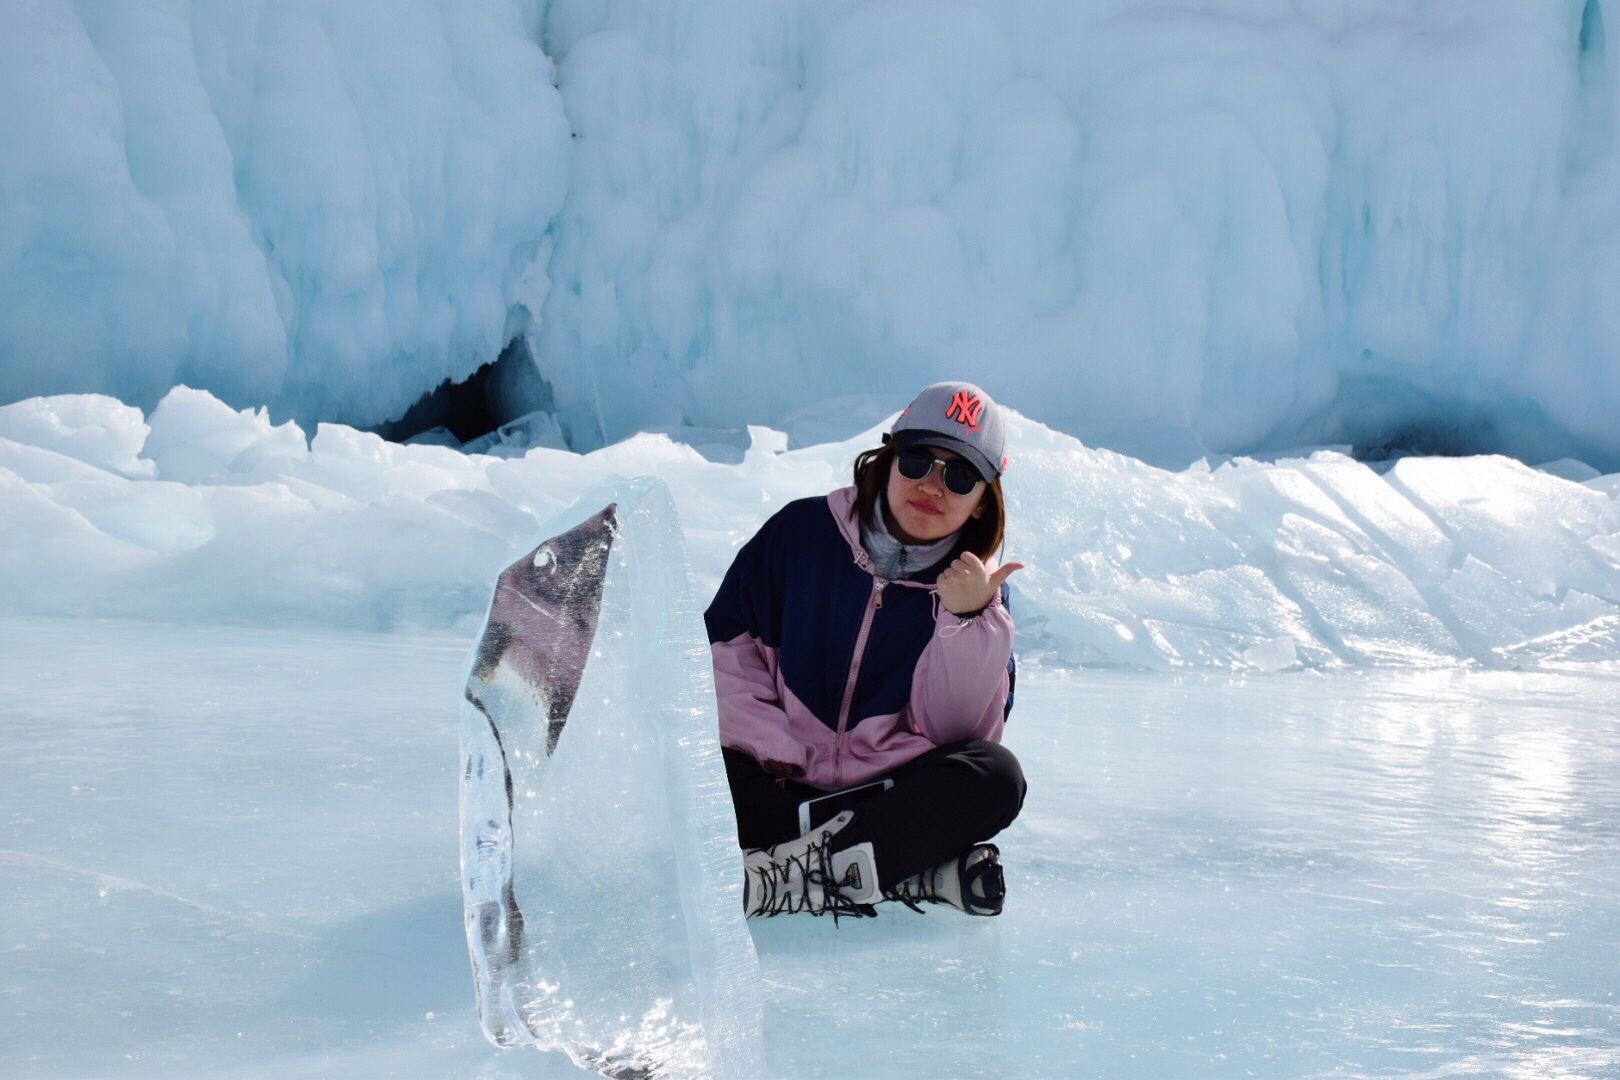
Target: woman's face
[{"x": 922, "y": 511}]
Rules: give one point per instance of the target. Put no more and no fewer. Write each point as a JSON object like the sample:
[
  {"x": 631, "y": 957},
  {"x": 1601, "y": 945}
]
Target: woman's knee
[
  {"x": 991, "y": 760},
  {"x": 996, "y": 774}
]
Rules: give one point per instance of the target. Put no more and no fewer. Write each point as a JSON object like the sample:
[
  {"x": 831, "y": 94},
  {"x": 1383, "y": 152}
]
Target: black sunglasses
[{"x": 915, "y": 463}]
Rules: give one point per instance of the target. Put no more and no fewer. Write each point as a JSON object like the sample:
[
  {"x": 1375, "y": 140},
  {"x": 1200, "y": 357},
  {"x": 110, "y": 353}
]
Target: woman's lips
[{"x": 926, "y": 508}]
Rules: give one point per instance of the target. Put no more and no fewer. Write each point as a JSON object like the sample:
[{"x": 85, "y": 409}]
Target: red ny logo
[{"x": 965, "y": 408}]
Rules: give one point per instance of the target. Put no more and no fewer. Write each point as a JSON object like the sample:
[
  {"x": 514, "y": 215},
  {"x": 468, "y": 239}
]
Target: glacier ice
[
  {"x": 1166, "y": 228},
  {"x": 602, "y": 882},
  {"x": 326, "y": 209},
  {"x": 1181, "y": 229},
  {"x": 1169, "y": 228}
]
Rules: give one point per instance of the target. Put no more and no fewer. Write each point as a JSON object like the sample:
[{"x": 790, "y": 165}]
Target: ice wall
[
  {"x": 1167, "y": 227},
  {"x": 327, "y": 208},
  {"x": 1164, "y": 227},
  {"x": 198, "y": 513}
]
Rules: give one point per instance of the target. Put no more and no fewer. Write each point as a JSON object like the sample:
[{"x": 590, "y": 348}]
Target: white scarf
[{"x": 892, "y": 559}]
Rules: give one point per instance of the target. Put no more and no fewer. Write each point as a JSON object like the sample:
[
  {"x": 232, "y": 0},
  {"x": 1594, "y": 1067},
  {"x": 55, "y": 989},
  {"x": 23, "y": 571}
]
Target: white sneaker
[
  {"x": 805, "y": 876},
  {"x": 972, "y": 882}
]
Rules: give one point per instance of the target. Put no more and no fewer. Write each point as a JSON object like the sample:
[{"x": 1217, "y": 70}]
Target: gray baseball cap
[{"x": 959, "y": 417}]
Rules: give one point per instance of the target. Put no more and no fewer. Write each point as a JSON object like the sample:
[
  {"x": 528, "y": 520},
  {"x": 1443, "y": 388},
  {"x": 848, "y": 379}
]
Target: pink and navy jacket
[{"x": 832, "y": 675}]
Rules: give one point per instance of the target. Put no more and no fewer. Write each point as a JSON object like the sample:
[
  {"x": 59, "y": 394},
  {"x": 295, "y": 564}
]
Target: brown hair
[{"x": 981, "y": 535}]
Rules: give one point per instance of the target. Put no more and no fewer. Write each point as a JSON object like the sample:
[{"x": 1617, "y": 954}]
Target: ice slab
[
  {"x": 600, "y": 870},
  {"x": 89, "y": 428}
]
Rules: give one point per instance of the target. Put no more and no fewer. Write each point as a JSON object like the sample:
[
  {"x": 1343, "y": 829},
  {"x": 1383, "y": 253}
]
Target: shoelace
[
  {"x": 815, "y": 873},
  {"x": 924, "y": 886},
  {"x": 980, "y": 886}
]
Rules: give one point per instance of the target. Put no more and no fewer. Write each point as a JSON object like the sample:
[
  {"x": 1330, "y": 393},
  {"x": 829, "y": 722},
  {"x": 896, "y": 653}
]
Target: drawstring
[
  {"x": 961, "y": 620},
  {"x": 863, "y": 561},
  {"x": 954, "y": 628}
]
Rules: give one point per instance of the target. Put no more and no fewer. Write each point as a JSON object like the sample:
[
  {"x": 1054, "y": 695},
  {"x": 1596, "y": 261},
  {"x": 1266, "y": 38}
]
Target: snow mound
[{"x": 1310, "y": 561}]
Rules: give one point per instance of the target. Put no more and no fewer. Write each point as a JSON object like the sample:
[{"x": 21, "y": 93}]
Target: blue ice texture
[
  {"x": 1257, "y": 278},
  {"x": 1171, "y": 228}
]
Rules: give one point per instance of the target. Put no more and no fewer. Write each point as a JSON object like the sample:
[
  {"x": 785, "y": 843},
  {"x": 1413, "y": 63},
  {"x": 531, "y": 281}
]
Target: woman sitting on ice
[{"x": 862, "y": 645}]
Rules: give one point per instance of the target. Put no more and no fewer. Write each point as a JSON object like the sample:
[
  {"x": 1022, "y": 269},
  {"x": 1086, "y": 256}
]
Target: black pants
[{"x": 941, "y": 804}]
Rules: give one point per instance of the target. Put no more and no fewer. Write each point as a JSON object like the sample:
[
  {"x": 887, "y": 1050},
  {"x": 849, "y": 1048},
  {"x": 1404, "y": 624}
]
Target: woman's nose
[{"x": 935, "y": 479}]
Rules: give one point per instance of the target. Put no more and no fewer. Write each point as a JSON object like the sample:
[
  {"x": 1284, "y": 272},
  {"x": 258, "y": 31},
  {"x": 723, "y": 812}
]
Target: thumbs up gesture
[{"x": 968, "y": 585}]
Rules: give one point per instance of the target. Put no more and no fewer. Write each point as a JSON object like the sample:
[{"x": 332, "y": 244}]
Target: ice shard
[{"x": 599, "y": 866}]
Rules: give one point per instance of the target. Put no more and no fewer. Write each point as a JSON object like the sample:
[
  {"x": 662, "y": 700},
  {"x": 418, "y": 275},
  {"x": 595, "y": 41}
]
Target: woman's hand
[{"x": 968, "y": 585}]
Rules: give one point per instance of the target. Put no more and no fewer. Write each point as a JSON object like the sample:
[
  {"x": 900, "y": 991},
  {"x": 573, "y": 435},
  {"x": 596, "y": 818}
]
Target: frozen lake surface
[{"x": 233, "y": 852}]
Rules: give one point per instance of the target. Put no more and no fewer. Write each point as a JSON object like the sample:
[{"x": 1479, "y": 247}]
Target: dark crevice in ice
[
  {"x": 1430, "y": 438},
  {"x": 1383, "y": 418},
  {"x": 459, "y": 406},
  {"x": 497, "y": 393}
]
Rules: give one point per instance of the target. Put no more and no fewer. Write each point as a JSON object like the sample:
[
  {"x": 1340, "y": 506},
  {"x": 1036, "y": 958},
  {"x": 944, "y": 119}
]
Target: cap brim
[{"x": 970, "y": 454}]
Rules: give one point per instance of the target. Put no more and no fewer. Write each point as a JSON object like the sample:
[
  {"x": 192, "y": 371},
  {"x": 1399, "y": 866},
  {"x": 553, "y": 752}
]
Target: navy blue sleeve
[
  {"x": 1012, "y": 660},
  {"x": 748, "y": 600}
]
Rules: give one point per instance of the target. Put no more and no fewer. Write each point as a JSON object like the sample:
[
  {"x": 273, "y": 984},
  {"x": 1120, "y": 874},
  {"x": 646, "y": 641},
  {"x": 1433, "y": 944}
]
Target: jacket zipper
[{"x": 873, "y": 602}]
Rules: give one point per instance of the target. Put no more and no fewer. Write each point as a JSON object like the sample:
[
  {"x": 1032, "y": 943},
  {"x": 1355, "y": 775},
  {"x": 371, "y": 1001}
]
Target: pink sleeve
[
  {"x": 751, "y": 715},
  {"x": 959, "y": 690}
]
